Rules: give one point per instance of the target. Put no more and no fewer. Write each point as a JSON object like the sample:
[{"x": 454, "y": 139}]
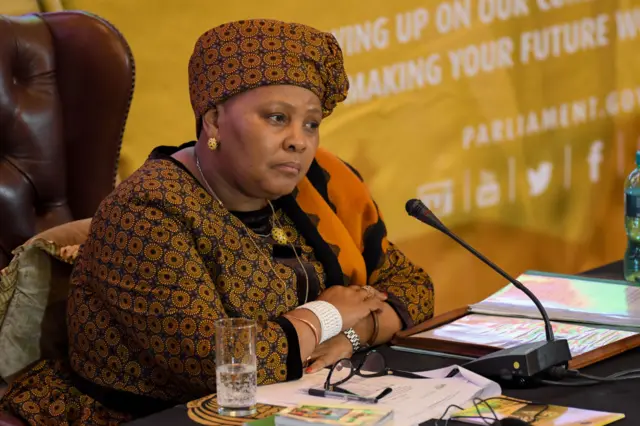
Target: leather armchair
[{"x": 66, "y": 84}]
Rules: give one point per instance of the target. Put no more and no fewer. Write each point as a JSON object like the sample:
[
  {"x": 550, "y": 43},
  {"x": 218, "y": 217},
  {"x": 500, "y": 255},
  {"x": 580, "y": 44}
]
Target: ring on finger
[{"x": 370, "y": 291}]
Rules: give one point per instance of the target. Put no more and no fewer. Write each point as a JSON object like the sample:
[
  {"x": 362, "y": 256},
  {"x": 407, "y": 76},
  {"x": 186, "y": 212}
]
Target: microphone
[{"x": 518, "y": 364}]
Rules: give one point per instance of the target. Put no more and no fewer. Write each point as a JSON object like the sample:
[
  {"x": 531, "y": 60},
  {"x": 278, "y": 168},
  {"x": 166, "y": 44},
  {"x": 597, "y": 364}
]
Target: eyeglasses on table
[{"x": 373, "y": 364}]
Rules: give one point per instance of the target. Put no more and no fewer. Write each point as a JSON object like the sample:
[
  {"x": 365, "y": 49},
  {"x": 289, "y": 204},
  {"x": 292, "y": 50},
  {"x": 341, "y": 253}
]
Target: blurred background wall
[
  {"x": 19, "y": 7},
  {"x": 517, "y": 121}
]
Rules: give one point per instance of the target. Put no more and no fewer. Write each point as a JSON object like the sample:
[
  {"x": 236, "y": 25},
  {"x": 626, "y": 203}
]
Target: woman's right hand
[{"x": 353, "y": 302}]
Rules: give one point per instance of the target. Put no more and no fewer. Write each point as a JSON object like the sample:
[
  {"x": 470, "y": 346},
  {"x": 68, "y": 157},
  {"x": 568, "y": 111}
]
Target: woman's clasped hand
[{"x": 354, "y": 302}]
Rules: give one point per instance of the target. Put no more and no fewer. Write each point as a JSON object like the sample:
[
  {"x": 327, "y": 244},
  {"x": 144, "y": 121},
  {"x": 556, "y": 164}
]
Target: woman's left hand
[{"x": 329, "y": 352}]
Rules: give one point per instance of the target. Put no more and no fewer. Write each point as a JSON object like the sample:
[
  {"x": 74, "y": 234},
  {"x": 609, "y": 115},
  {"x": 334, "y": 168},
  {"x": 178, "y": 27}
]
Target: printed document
[{"x": 412, "y": 400}]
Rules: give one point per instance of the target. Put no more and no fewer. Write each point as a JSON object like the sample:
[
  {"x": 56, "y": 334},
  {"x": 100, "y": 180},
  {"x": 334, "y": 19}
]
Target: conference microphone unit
[{"x": 521, "y": 365}]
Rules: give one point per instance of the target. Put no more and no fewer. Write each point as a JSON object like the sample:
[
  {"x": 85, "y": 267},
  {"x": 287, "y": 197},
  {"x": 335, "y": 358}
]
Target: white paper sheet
[{"x": 413, "y": 400}]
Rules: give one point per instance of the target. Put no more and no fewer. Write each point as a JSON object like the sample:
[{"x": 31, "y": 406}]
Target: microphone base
[{"x": 523, "y": 365}]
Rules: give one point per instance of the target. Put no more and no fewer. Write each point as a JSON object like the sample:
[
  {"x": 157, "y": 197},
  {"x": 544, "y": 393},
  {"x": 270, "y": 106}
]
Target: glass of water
[{"x": 236, "y": 372}]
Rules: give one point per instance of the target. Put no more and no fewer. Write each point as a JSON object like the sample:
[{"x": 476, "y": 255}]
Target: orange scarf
[{"x": 339, "y": 206}]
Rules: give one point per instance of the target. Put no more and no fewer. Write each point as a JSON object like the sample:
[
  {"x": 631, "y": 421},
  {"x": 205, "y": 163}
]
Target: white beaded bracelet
[{"x": 329, "y": 317}]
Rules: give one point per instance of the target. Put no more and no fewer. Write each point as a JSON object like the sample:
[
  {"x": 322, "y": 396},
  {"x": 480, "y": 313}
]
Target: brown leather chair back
[{"x": 66, "y": 84}]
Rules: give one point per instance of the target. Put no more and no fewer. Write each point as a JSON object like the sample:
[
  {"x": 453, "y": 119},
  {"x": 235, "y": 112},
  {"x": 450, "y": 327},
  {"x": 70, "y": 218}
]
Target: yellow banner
[
  {"x": 515, "y": 120},
  {"x": 18, "y": 7}
]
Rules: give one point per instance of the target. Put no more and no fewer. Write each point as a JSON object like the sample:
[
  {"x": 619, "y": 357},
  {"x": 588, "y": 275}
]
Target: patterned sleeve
[
  {"x": 164, "y": 299},
  {"x": 409, "y": 287}
]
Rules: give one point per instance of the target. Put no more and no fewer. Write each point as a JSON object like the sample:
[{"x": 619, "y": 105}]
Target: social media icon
[
  {"x": 594, "y": 159},
  {"x": 488, "y": 191},
  {"x": 438, "y": 196},
  {"x": 539, "y": 178}
]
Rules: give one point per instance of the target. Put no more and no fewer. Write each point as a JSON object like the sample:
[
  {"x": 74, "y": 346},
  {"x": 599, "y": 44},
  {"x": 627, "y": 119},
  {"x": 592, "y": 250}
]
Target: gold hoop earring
[{"x": 213, "y": 144}]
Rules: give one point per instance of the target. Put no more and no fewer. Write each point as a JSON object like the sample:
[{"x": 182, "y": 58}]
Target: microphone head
[{"x": 417, "y": 209}]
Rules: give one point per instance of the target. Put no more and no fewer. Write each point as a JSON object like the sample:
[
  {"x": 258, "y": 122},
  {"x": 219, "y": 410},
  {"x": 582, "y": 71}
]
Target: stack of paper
[{"x": 413, "y": 400}]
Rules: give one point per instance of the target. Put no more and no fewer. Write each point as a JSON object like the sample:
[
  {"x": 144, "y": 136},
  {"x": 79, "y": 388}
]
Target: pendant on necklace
[{"x": 279, "y": 235}]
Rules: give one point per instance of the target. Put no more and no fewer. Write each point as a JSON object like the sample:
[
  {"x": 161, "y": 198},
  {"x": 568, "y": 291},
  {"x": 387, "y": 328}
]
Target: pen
[
  {"x": 347, "y": 397},
  {"x": 384, "y": 393},
  {"x": 453, "y": 372}
]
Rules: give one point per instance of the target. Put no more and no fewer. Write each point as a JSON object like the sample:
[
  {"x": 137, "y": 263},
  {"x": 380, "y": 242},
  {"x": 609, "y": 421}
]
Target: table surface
[{"x": 620, "y": 397}]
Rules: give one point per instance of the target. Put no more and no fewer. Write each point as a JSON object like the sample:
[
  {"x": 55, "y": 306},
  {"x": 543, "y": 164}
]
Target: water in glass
[
  {"x": 236, "y": 371},
  {"x": 236, "y": 385}
]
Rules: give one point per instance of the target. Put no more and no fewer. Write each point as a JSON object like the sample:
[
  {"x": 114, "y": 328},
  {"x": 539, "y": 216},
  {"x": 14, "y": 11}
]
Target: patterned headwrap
[{"x": 238, "y": 56}]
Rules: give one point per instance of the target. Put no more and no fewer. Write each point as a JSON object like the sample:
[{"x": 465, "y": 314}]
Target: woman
[{"x": 251, "y": 220}]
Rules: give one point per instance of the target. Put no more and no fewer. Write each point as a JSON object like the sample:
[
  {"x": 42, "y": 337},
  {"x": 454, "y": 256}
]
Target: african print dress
[{"x": 163, "y": 261}]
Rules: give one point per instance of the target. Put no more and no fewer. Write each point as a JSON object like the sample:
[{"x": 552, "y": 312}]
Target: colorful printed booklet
[
  {"x": 311, "y": 414},
  {"x": 536, "y": 414}
]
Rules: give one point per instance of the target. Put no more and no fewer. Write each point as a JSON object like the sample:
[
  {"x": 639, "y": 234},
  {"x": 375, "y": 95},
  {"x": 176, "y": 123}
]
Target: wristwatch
[{"x": 353, "y": 338}]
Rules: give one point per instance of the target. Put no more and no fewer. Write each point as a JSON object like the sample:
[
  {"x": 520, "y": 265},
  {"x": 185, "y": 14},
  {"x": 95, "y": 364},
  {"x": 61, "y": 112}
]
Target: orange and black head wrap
[{"x": 238, "y": 56}]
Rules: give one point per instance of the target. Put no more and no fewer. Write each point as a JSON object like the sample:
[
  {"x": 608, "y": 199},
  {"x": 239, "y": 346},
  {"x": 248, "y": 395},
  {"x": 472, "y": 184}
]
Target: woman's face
[{"x": 268, "y": 137}]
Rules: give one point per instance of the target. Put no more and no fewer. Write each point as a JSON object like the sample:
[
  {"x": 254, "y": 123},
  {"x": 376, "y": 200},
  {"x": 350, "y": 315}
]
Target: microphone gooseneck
[{"x": 417, "y": 209}]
